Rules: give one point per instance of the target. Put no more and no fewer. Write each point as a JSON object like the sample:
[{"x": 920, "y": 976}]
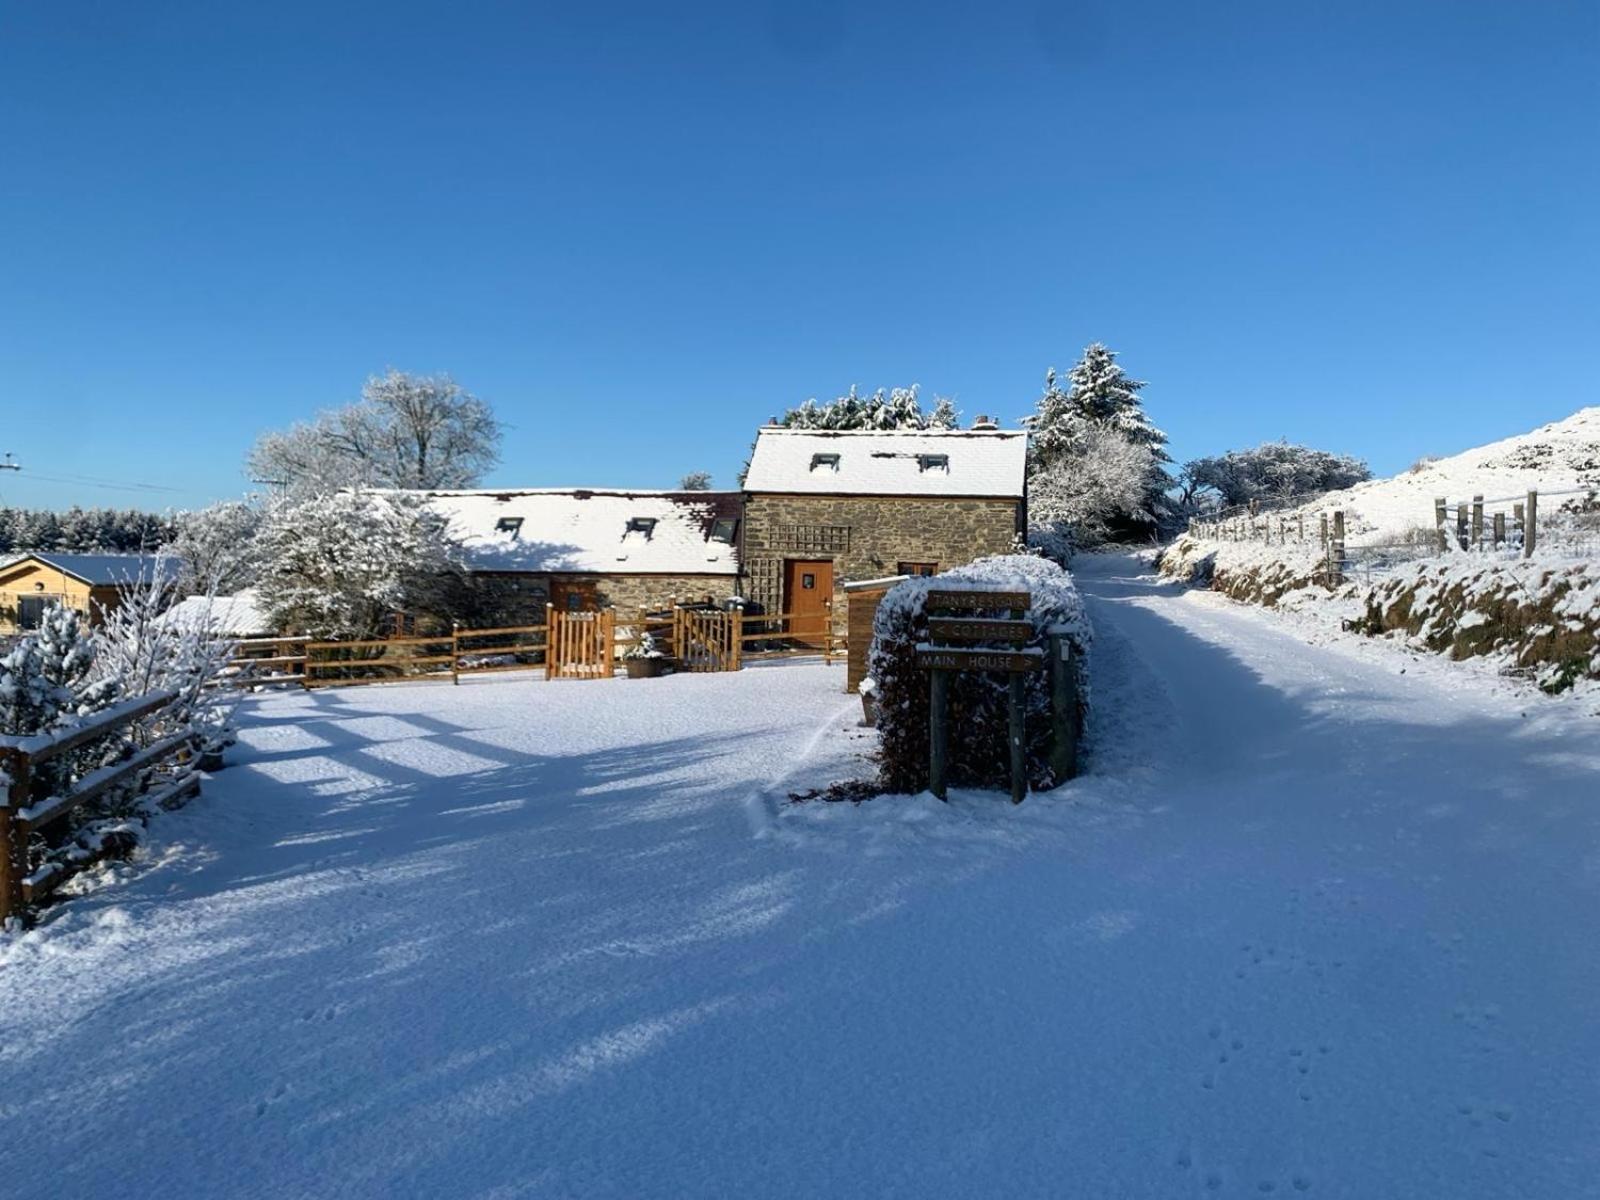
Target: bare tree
[{"x": 408, "y": 431}]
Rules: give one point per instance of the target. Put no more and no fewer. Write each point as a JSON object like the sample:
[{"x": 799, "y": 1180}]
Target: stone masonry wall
[
  {"x": 866, "y": 536},
  {"x": 517, "y": 599}
]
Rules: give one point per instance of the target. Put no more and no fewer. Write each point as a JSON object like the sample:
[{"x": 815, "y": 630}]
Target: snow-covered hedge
[{"x": 979, "y": 701}]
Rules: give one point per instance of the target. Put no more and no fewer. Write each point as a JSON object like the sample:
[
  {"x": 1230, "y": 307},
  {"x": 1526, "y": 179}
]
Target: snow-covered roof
[
  {"x": 595, "y": 530},
  {"x": 239, "y": 615},
  {"x": 929, "y": 462},
  {"x": 101, "y": 569}
]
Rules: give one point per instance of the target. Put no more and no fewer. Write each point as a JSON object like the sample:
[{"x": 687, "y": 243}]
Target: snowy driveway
[{"x": 1311, "y": 926}]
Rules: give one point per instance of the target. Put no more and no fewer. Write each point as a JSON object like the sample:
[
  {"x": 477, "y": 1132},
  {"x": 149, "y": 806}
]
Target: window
[
  {"x": 725, "y": 529},
  {"x": 644, "y": 525},
  {"x": 831, "y": 461},
  {"x": 933, "y": 462},
  {"x": 808, "y": 581},
  {"x": 511, "y": 525},
  {"x": 917, "y": 568}
]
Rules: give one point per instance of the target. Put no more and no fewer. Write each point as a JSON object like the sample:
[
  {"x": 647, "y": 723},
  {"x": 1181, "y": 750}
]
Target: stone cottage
[
  {"x": 588, "y": 548},
  {"x": 825, "y": 508}
]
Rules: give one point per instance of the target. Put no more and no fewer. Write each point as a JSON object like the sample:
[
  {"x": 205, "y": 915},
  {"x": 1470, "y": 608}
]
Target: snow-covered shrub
[
  {"x": 646, "y": 647},
  {"x": 340, "y": 565},
  {"x": 1096, "y": 486},
  {"x": 139, "y": 651},
  {"x": 979, "y": 701}
]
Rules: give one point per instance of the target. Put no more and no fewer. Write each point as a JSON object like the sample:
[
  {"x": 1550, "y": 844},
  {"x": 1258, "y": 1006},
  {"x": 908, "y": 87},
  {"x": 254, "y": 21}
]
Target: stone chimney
[{"x": 984, "y": 423}]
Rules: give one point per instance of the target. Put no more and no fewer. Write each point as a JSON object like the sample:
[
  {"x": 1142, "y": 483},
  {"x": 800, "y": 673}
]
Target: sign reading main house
[{"x": 824, "y": 508}]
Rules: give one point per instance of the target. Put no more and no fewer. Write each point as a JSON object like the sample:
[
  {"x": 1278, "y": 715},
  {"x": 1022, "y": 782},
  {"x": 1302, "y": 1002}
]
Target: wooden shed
[{"x": 93, "y": 584}]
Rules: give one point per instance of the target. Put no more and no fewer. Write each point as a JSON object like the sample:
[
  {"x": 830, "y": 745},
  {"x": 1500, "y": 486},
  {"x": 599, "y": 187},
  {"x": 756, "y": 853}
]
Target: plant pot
[
  {"x": 644, "y": 668},
  {"x": 869, "y": 710}
]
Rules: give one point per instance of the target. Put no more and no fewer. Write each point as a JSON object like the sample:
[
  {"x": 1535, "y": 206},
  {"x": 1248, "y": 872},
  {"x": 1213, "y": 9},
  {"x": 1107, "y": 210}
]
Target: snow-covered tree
[
  {"x": 408, "y": 431},
  {"x": 139, "y": 649},
  {"x": 1272, "y": 470},
  {"x": 1098, "y": 392},
  {"x": 78, "y": 530},
  {"x": 896, "y": 408},
  {"x": 944, "y": 414},
  {"x": 695, "y": 481},
  {"x": 45, "y": 678},
  {"x": 216, "y": 546},
  {"x": 339, "y": 565},
  {"x": 1099, "y": 396},
  {"x": 1097, "y": 487}
]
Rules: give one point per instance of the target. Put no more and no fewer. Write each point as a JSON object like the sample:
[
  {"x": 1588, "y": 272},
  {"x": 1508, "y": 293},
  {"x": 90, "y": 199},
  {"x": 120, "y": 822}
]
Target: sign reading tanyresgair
[{"x": 940, "y": 601}]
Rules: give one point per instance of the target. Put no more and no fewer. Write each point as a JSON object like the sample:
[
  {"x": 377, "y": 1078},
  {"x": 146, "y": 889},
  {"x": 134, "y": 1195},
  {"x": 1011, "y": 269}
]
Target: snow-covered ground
[{"x": 1319, "y": 920}]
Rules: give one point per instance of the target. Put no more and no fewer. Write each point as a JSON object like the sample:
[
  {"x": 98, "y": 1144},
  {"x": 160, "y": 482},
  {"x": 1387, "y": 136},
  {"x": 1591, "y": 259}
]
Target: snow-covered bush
[
  {"x": 342, "y": 564},
  {"x": 979, "y": 701},
  {"x": 646, "y": 647},
  {"x": 216, "y": 546},
  {"x": 1100, "y": 484},
  {"x": 139, "y": 651}
]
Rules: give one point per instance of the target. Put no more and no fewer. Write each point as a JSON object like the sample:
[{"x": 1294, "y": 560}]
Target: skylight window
[
  {"x": 644, "y": 525},
  {"x": 831, "y": 461},
  {"x": 509, "y": 525},
  {"x": 933, "y": 462},
  {"x": 725, "y": 529}
]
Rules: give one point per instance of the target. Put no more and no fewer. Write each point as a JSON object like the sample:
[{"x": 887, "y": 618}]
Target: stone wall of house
[
  {"x": 519, "y": 599},
  {"x": 867, "y": 537}
]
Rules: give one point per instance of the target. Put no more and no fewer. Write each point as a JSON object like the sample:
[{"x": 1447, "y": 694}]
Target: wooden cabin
[
  {"x": 93, "y": 584},
  {"x": 582, "y": 549},
  {"x": 823, "y": 508}
]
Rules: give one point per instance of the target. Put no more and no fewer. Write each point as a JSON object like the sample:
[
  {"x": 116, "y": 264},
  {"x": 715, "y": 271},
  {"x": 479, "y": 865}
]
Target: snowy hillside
[{"x": 1559, "y": 457}]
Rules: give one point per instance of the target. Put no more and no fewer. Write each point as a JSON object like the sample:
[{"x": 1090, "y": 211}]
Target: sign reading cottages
[{"x": 940, "y": 658}]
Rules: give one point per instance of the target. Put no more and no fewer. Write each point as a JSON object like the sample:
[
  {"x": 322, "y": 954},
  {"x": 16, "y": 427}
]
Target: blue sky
[{"x": 641, "y": 230}]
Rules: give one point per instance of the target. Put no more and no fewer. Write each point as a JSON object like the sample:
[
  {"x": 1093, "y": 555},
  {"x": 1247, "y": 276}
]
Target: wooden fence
[
  {"x": 162, "y": 771},
  {"x": 577, "y": 645}
]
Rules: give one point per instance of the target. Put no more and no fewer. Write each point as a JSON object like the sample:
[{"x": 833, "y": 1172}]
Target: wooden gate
[
  {"x": 581, "y": 644},
  {"x": 706, "y": 640}
]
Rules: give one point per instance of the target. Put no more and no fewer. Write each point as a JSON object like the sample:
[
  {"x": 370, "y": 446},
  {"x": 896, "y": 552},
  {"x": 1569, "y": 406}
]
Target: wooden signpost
[{"x": 940, "y": 658}]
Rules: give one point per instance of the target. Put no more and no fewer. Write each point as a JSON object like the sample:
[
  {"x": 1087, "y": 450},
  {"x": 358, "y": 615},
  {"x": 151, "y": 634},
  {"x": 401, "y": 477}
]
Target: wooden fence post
[
  {"x": 1530, "y": 534},
  {"x": 455, "y": 653},
  {"x": 1324, "y": 542},
  {"x": 549, "y": 642},
  {"x": 1063, "y": 711},
  {"x": 1441, "y": 516},
  {"x": 1336, "y": 551},
  {"x": 1463, "y": 526},
  {"x": 1019, "y": 737},
  {"x": 1499, "y": 529},
  {"x": 13, "y": 840},
  {"x": 608, "y": 642},
  {"x": 1477, "y": 522},
  {"x": 738, "y": 638},
  {"x": 938, "y": 730}
]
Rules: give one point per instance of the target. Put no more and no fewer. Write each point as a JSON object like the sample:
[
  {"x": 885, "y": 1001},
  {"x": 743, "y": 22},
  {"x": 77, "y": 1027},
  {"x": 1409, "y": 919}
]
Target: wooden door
[
  {"x": 575, "y": 595},
  {"x": 808, "y": 599}
]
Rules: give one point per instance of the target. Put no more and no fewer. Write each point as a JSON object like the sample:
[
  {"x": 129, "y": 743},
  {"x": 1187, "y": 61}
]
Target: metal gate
[{"x": 581, "y": 645}]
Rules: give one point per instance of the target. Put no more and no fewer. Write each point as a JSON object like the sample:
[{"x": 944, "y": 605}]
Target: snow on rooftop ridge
[
  {"x": 1562, "y": 456},
  {"x": 896, "y": 462},
  {"x": 579, "y": 530}
]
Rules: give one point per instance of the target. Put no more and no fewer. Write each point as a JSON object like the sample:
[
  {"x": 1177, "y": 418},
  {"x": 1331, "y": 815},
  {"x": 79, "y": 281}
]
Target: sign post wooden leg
[
  {"x": 938, "y": 729},
  {"x": 1019, "y": 757},
  {"x": 1063, "y": 711}
]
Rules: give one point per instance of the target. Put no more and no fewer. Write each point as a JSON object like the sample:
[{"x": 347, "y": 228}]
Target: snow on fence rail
[
  {"x": 1510, "y": 523},
  {"x": 163, "y": 771},
  {"x": 567, "y": 645}
]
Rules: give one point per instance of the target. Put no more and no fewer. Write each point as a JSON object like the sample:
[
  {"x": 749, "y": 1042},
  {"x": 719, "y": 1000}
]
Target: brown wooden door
[
  {"x": 574, "y": 595},
  {"x": 807, "y": 597}
]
